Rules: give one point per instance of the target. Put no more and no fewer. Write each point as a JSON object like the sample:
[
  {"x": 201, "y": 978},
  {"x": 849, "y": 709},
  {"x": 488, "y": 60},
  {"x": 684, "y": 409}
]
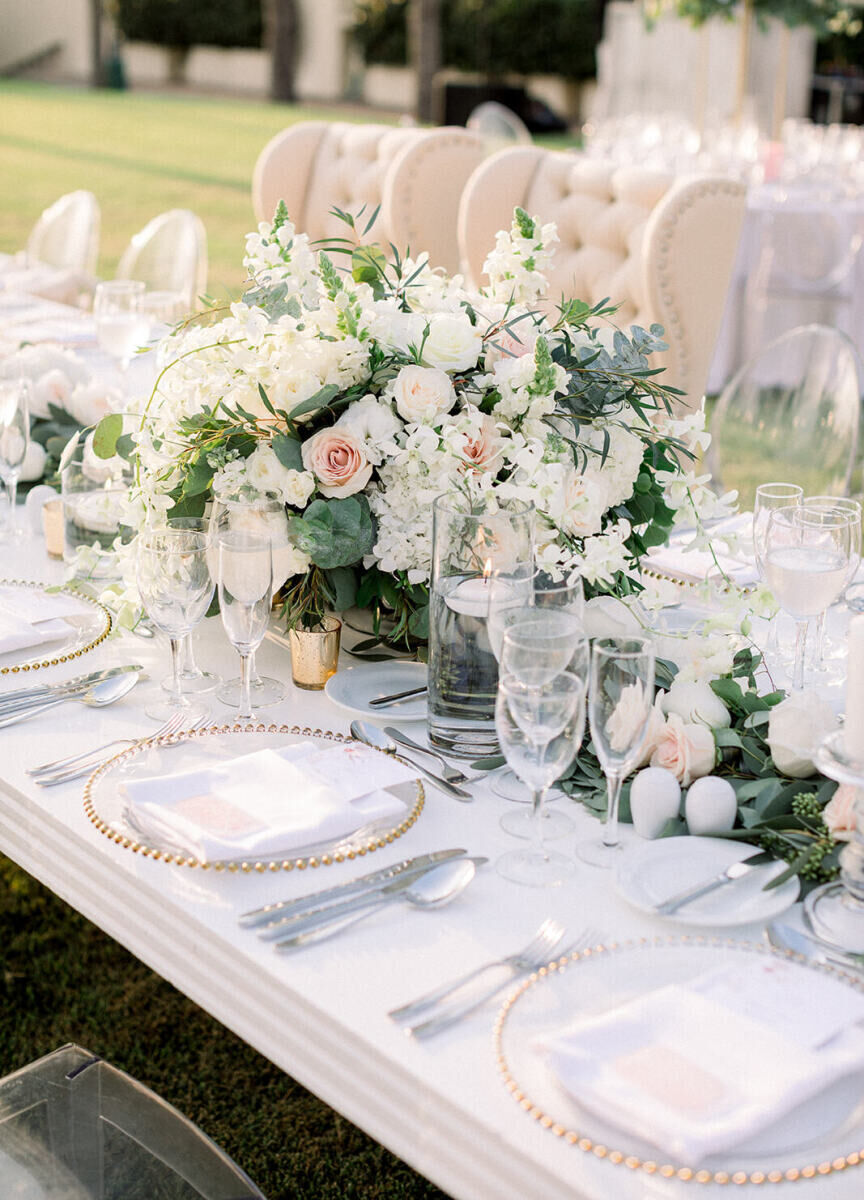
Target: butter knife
[
  {"x": 341, "y": 891},
  {"x": 736, "y": 870}
]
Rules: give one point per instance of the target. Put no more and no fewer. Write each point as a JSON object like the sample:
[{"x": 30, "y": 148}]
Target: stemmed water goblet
[
  {"x": 245, "y": 599},
  {"x": 620, "y": 700},
  {"x": 807, "y": 555},
  {"x": 255, "y": 513},
  {"x": 842, "y": 504},
  {"x": 121, "y": 323},
  {"x": 193, "y": 680},
  {"x": 176, "y": 587},
  {"x": 540, "y": 722},
  {"x": 14, "y": 442},
  {"x": 548, "y": 643}
]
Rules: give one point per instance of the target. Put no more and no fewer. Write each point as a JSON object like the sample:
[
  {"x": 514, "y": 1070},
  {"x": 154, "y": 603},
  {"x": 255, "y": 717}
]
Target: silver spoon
[
  {"x": 365, "y": 731},
  {"x": 785, "y": 937},
  {"x": 448, "y": 772},
  {"x": 97, "y": 696},
  {"x": 434, "y": 889}
]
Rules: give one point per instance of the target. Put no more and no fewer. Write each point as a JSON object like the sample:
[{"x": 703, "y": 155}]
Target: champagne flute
[
  {"x": 768, "y": 497},
  {"x": 121, "y": 323},
  {"x": 807, "y": 553},
  {"x": 14, "y": 443},
  {"x": 259, "y": 512},
  {"x": 540, "y": 723},
  {"x": 176, "y": 587},
  {"x": 194, "y": 681},
  {"x": 245, "y": 599},
  {"x": 847, "y": 505},
  {"x": 620, "y": 700}
]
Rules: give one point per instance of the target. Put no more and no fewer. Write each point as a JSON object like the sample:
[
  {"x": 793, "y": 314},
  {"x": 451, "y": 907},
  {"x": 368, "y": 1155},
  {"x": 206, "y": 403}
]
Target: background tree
[
  {"x": 281, "y": 37},
  {"x": 424, "y": 39}
]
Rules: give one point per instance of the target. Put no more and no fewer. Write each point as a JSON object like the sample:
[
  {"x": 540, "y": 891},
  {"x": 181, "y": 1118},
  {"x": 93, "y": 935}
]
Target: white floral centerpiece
[{"x": 360, "y": 395}]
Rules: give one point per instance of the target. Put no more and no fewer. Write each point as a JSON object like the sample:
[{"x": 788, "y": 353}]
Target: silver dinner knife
[
  {"x": 341, "y": 891},
  {"x": 736, "y": 870}
]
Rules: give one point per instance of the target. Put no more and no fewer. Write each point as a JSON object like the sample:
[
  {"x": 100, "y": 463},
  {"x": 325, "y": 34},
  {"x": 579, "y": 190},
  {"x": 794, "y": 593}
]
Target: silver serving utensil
[
  {"x": 785, "y": 937},
  {"x": 736, "y": 870},
  {"x": 12, "y": 701},
  {"x": 454, "y": 1013},
  {"x": 529, "y": 958},
  {"x": 449, "y": 773},
  {"x": 98, "y": 696},
  {"x": 397, "y": 697},
  {"x": 341, "y": 891},
  {"x": 371, "y": 735},
  {"x": 433, "y": 889}
]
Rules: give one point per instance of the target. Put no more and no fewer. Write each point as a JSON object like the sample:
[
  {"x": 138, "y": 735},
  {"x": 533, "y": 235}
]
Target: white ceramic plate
[
  {"x": 353, "y": 687},
  {"x": 824, "y": 1129},
  {"x": 651, "y": 872}
]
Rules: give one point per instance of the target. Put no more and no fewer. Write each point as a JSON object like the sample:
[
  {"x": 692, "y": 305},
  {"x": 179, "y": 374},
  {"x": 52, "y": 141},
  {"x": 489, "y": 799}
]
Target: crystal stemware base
[
  {"x": 521, "y": 824},
  {"x": 264, "y": 691},
  {"x": 162, "y": 710},
  {"x": 598, "y": 853},
  {"x": 534, "y": 868}
]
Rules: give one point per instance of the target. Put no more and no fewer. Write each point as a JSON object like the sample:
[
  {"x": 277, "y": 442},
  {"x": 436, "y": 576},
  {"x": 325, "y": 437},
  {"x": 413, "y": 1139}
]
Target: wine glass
[
  {"x": 121, "y": 323},
  {"x": 176, "y": 587},
  {"x": 193, "y": 680},
  {"x": 807, "y": 554},
  {"x": 768, "y": 497},
  {"x": 255, "y": 512},
  {"x": 245, "y": 599},
  {"x": 566, "y": 593},
  {"x": 540, "y": 723},
  {"x": 847, "y": 505},
  {"x": 620, "y": 700},
  {"x": 14, "y": 443},
  {"x": 548, "y": 643}
]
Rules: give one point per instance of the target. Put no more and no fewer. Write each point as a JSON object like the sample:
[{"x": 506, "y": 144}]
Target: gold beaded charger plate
[
  {"x": 87, "y": 628},
  {"x": 105, "y": 801},
  {"x": 822, "y": 1136}
]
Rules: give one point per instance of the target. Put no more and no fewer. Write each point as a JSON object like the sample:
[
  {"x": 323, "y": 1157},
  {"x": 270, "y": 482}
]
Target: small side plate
[{"x": 353, "y": 687}]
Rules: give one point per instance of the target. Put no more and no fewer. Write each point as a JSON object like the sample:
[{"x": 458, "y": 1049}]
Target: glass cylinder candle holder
[
  {"x": 472, "y": 542},
  {"x": 94, "y": 493}
]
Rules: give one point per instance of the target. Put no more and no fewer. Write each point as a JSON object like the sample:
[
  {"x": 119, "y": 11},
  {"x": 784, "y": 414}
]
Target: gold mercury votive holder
[
  {"x": 315, "y": 653},
  {"x": 52, "y": 527}
]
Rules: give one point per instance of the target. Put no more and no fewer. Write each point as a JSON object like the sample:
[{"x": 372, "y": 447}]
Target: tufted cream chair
[
  {"x": 416, "y": 175},
  {"x": 660, "y": 247}
]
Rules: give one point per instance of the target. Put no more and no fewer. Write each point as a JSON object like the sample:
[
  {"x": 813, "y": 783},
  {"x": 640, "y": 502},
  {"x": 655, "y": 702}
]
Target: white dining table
[{"x": 321, "y": 1014}]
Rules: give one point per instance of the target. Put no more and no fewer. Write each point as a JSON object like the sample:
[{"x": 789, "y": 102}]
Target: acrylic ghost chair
[
  {"x": 170, "y": 255},
  {"x": 498, "y": 126},
  {"x": 67, "y": 234},
  {"x": 415, "y": 175},
  {"x": 792, "y": 412},
  {"x": 659, "y": 246},
  {"x": 75, "y": 1128}
]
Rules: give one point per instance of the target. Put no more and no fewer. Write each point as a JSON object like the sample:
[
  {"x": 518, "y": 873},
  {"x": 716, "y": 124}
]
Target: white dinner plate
[
  {"x": 828, "y": 1128},
  {"x": 353, "y": 687},
  {"x": 651, "y": 872}
]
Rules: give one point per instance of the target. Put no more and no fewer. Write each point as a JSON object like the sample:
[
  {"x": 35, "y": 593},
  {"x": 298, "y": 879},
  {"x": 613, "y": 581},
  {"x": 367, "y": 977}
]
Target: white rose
[
  {"x": 606, "y": 616},
  {"x": 374, "y": 422},
  {"x": 695, "y": 702},
  {"x": 266, "y": 473},
  {"x": 654, "y": 732},
  {"x": 688, "y": 751},
  {"x": 33, "y": 466},
  {"x": 422, "y": 394},
  {"x": 89, "y": 402},
  {"x": 54, "y": 387},
  {"x": 452, "y": 343},
  {"x": 626, "y": 726},
  {"x": 796, "y": 726}
]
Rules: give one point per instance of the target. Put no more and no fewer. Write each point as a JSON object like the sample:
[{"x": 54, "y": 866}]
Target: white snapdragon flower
[
  {"x": 605, "y": 555},
  {"x": 266, "y": 473}
]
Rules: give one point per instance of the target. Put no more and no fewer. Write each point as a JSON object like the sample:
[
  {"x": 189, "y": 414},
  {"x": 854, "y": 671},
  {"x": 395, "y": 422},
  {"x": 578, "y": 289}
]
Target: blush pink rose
[
  {"x": 686, "y": 750},
  {"x": 337, "y": 459},
  {"x": 839, "y": 813},
  {"x": 482, "y": 450}
]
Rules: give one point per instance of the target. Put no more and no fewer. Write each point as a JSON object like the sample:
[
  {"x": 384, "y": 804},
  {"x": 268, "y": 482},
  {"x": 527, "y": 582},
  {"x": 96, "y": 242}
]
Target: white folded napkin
[
  {"x": 268, "y": 803},
  {"x": 30, "y": 618},
  {"x": 699, "y": 1067},
  {"x": 695, "y": 566}
]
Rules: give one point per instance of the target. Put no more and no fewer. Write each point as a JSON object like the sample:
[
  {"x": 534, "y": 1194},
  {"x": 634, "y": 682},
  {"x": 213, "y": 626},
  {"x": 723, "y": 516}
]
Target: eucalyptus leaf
[{"x": 105, "y": 436}]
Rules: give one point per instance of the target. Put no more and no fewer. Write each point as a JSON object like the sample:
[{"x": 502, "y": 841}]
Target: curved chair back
[
  {"x": 498, "y": 126},
  {"x": 791, "y": 412},
  {"x": 67, "y": 234},
  {"x": 415, "y": 175},
  {"x": 662, "y": 248},
  {"x": 169, "y": 255}
]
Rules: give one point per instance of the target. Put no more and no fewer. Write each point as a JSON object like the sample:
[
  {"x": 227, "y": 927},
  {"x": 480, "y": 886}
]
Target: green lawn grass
[{"x": 140, "y": 153}]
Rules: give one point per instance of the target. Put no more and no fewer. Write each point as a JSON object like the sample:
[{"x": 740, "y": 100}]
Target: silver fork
[
  {"x": 537, "y": 951},
  {"x": 61, "y": 764},
  {"x": 454, "y": 1013},
  {"x": 449, "y": 773},
  {"x": 94, "y": 760}
]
